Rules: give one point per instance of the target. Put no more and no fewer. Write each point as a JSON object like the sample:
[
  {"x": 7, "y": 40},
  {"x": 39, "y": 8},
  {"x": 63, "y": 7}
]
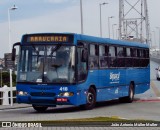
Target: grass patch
[{"x": 87, "y": 122}]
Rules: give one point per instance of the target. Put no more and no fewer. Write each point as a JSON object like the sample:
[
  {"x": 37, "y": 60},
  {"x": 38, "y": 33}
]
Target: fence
[{"x": 7, "y": 95}]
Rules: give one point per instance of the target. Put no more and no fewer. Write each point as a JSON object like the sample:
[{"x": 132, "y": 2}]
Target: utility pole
[
  {"x": 81, "y": 12},
  {"x": 101, "y": 17}
]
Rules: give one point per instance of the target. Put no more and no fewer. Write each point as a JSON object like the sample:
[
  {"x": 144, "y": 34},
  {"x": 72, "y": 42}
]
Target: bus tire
[
  {"x": 39, "y": 108},
  {"x": 91, "y": 100},
  {"x": 130, "y": 97}
]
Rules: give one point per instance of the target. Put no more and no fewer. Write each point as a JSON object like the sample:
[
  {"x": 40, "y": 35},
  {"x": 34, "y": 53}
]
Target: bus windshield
[{"x": 47, "y": 64}]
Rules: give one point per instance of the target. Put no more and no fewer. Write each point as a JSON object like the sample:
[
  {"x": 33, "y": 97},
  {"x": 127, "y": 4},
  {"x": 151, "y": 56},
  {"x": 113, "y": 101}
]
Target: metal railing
[{"x": 5, "y": 98}]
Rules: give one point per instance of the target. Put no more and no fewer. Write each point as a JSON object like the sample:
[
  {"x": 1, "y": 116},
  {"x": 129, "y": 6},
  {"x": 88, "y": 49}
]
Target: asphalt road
[{"x": 146, "y": 106}]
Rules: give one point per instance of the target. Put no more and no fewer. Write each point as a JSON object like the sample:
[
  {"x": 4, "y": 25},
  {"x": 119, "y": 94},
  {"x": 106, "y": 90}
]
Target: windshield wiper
[{"x": 55, "y": 49}]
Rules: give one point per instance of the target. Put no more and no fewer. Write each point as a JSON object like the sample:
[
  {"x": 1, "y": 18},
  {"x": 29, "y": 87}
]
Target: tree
[{"x": 6, "y": 79}]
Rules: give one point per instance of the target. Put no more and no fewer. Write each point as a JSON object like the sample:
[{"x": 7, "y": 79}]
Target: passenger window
[
  {"x": 112, "y": 51},
  {"x": 120, "y": 57},
  {"x": 103, "y": 59},
  {"x": 128, "y": 59},
  {"x": 147, "y": 53},
  {"x": 128, "y": 52},
  {"x": 135, "y": 59},
  {"x": 140, "y": 53},
  {"x": 112, "y": 57},
  {"x": 93, "y": 50},
  {"x": 101, "y": 50},
  {"x": 134, "y": 52},
  {"x": 120, "y": 52},
  {"x": 93, "y": 58}
]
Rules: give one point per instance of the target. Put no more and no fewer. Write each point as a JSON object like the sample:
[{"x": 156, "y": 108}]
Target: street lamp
[
  {"x": 101, "y": 17},
  {"x": 81, "y": 11},
  {"x": 159, "y": 36},
  {"x": 113, "y": 29},
  {"x": 9, "y": 26},
  {"x": 109, "y": 24}
]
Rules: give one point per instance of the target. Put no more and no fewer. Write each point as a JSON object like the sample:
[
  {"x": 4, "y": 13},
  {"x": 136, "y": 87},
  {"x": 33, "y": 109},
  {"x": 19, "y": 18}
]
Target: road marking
[
  {"x": 155, "y": 89},
  {"x": 147, "y": 100}
]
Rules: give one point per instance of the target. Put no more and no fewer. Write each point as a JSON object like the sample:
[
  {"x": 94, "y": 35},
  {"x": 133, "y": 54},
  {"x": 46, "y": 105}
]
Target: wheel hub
[{"x": 90, "y": 98}]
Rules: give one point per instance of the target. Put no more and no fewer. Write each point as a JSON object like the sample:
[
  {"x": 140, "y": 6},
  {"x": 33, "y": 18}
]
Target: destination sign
[
  {"x": 42, "y": 38},
  {"x": 47, "y": 39}
]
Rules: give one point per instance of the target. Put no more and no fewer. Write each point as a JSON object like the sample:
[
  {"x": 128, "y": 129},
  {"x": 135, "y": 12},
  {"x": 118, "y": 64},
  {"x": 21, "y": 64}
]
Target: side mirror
[
  {"x": 14, "y": 50},
  {"x": 13, "y": 54},
  {"x": 84, "y": 56}
]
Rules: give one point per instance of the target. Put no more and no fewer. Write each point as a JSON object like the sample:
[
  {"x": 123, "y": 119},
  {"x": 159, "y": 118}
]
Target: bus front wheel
[
  {"x": 39, "y": 108},
  {"x": 91, "y": 100}
]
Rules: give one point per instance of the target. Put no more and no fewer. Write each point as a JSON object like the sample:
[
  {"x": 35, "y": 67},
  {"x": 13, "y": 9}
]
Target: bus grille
[{"x": 42, "y": 94}]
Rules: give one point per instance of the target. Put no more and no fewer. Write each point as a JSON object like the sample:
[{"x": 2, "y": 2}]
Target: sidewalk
[{"x": 15, "y": 106}]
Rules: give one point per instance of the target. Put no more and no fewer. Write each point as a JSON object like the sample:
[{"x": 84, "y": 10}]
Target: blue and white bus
[{"x": 74, "y": 69}]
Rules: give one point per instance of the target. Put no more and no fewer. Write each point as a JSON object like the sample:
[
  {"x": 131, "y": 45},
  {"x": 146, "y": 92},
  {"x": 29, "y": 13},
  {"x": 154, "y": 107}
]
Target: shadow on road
[{"x": 68, "y": 109}]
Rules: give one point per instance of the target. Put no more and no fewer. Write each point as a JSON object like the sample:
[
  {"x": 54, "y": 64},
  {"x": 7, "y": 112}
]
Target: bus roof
[
  {"x": 94, "y": 39},
  {"x": 109, "y": 41}
]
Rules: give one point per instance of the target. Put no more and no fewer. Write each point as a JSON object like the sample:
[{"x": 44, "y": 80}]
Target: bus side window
[
  {"x": 103, "y": 59},
  {"x": 140, "y": 57},
  {"x": 112, "y": 56},
  {"x": 120, "y": 57},
  {"x": 93, "y": 58},
  {"x": 128, "y": 59},
  {"x": 134, "y": 54},
  {"x": 146, "y": 62}
]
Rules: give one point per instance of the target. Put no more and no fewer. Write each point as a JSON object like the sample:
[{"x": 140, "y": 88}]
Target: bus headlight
[
  {"x": 22, "y": 93},
  {"x": 66, "y": 94}
]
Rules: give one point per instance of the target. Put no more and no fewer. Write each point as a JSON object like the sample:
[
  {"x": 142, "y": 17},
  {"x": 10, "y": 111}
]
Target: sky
[{"x": 47, "y": 16}]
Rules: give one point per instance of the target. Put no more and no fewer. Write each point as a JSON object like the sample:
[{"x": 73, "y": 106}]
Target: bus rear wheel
[
  {"x": 91, "y": 100},
  {"x": 39, "y": 108},
  {"x": 130, "y": 97}
]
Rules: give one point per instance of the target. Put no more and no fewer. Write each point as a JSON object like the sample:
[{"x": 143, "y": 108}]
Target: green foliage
[{"x": 6, "y": 79}]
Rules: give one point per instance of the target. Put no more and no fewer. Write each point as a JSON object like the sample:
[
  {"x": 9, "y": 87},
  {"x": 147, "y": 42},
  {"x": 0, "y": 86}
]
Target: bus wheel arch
[
  {"x": 131, "y": 92},
  {"x": 90, "y": 98}
]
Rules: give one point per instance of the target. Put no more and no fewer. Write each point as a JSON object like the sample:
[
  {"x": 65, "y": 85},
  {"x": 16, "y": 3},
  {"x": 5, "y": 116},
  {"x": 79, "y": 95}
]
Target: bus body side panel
[
  {"x": 114, "y": 83},
  {"x": 140, "y": 77},
  {"x": 92, "y": 80},
  {"x": 109, "y": 84},
  {"x": 143, "y": 80}
]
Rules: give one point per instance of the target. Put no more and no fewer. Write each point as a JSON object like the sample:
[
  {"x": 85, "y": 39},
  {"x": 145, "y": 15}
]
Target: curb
[{"x": 8, "y": 107}]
